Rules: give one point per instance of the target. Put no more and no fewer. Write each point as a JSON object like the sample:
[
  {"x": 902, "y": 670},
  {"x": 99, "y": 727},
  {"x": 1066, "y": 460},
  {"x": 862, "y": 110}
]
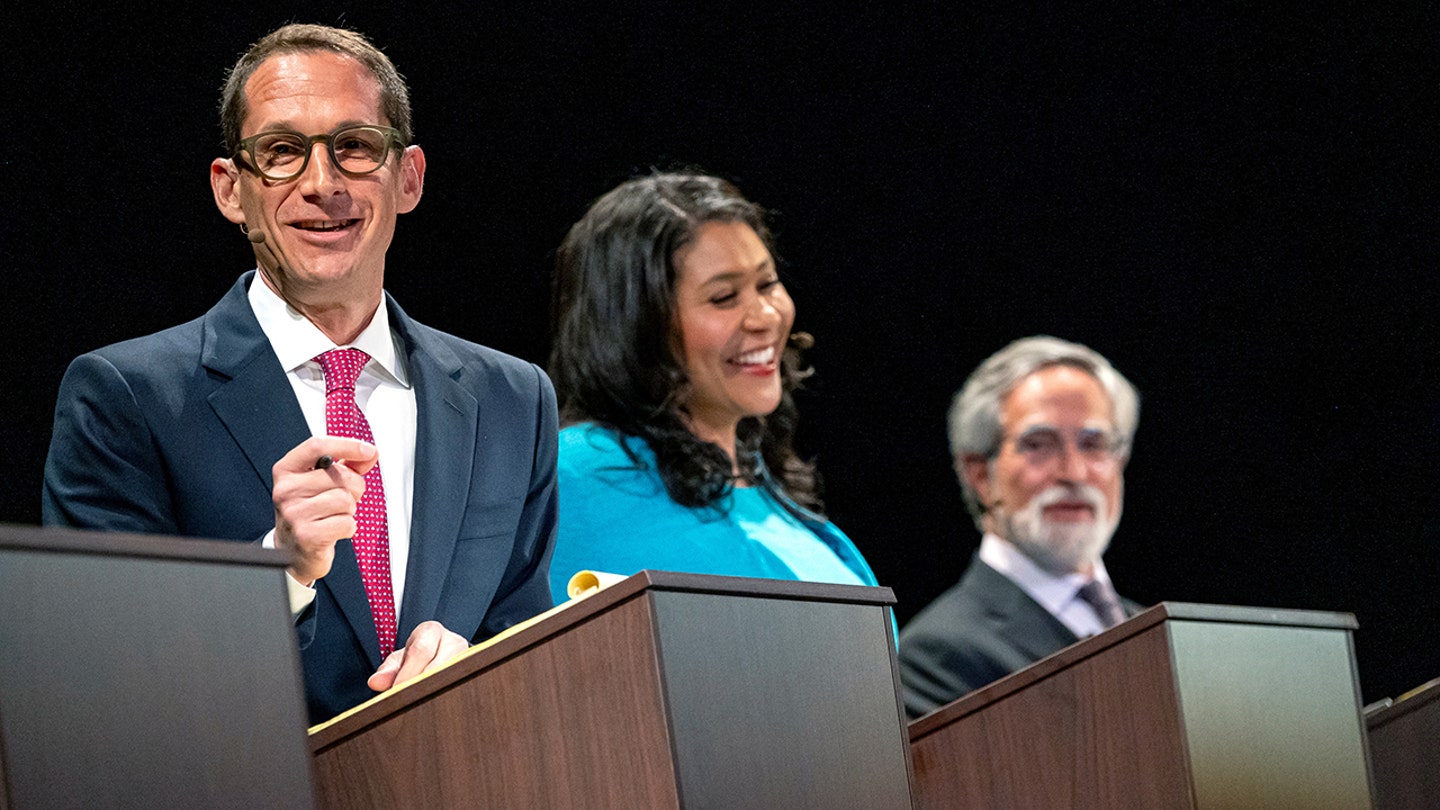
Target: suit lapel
[
  {"x": 1020, "y": 619},
  {"x": 447, "y": 415},
  {"x": 252, "y": 396},
  {"x": 254, "y": 400}
]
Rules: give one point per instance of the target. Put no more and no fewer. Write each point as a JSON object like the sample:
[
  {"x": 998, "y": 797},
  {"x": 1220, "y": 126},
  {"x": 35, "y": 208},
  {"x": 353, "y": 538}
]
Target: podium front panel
[
  {"x": 759, "y": 723},
  {"x": 665, "y": 690},
  {"x": 158, "y": 678},
  {"x": 1405, "y": 750},
  {"x": 1183, "y": 706},
  {"x": 1055, "y": 743},
  {"x": 575, "y": 722},
  {"x": 1272, "y": 715}
]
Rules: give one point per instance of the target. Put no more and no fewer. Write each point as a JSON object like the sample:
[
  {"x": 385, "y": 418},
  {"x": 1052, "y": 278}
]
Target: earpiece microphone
[{"x": 266, "y": 252}]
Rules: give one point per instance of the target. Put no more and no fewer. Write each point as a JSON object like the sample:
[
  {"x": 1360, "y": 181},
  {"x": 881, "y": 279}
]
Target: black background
[{"x": 1236, "y": 206}]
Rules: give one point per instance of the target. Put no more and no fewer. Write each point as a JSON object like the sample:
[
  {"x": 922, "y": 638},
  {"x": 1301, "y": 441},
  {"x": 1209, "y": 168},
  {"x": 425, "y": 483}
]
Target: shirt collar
[
  {"x": 297, "y": 341},
  {"x": 1052, "y": 592}
]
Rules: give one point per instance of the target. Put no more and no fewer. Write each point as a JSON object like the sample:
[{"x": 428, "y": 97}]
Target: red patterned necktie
[{"x": 372, "y": 533}]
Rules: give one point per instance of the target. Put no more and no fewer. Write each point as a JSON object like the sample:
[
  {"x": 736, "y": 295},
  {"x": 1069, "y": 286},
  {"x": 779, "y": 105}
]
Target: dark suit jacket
[
  {"x": 980, "y": 630},
  {"x": 176, "y": 433}
]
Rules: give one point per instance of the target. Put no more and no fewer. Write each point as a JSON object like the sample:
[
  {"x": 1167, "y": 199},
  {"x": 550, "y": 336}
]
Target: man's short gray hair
[{"x": 975, "y": 412}]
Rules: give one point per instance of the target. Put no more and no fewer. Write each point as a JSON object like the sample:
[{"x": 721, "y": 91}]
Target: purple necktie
[
  {"x": 372, "y": 532},
  {"x": 1102, "y": 597}
]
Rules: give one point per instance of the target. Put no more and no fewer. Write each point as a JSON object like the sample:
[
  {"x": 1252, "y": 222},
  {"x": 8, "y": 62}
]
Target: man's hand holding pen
[{"x": 317, "y": 487}]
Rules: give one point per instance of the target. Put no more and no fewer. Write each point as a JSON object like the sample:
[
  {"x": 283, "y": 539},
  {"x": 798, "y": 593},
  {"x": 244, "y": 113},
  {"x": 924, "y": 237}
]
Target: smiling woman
[
  {"x": 735, "y": 318},
  {"x": 674, "y": 363}
]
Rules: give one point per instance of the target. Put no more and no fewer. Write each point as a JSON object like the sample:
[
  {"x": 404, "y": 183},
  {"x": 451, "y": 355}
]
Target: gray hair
[{"x": 975, "y": 412}]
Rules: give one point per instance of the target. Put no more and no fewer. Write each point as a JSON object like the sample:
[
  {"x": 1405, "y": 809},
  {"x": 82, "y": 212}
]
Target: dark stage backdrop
[{"x": 1236, "y": 206}]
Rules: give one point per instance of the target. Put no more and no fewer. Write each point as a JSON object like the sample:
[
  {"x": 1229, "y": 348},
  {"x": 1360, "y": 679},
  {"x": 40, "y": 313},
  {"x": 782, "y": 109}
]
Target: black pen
[{"x": 324, "y": 462}]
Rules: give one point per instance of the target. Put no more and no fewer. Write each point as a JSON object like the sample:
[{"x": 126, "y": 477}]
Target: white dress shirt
[
  {"x": 1056, "y": 594},
  {"x": 382, "y": 392}
]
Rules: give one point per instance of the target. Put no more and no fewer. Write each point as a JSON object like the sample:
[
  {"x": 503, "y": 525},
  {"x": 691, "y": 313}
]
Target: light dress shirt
[
  {"x": 1056, "y": 594},
  {"x": 382, "y": 392}
]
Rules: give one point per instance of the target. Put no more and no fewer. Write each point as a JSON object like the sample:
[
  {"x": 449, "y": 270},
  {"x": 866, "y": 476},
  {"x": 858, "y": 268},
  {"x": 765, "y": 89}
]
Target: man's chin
[
  {"x": 1065, "y": 547},
  {"x": 310, "y": 271}
]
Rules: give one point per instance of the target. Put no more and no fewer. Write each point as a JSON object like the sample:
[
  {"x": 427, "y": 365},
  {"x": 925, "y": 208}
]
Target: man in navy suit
[
  {"x": 1040, "y": 435},
  {"x": 219, "y": 427}
]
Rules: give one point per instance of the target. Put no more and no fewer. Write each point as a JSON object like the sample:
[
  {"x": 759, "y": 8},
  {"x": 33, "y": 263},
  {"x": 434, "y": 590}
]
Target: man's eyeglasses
[
  {"x": 284, "y": 155},
  {"x": 1043, "y": 444}
]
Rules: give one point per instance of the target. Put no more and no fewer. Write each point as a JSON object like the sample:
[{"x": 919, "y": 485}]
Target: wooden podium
[
  {"x": 147, "y": 672},
  {"x": 664, "y": 690},
  {"x": 1182, "y": 706},
  {"x": 1405, "y": 750}
]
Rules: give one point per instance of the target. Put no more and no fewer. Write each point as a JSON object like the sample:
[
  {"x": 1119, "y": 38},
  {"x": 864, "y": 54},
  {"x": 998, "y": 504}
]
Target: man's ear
[
  {"x": 412, "y": 178},
  {"x": 974, "y": 468},
  {"x": 225, "y": 182}
]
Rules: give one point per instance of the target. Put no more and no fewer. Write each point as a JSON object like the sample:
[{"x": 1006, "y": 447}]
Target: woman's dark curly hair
[{"x": 613, "y": 359}]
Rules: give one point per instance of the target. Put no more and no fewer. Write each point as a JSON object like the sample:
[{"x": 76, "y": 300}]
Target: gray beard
[{"x": 1060, "y": 547}]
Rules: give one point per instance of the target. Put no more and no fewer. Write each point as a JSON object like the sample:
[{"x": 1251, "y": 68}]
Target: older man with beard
[{"x": 1040, "y": 435}]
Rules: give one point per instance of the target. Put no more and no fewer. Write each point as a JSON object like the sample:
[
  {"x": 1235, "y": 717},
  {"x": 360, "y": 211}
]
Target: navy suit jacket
[
  {"x": 980, "y": 630},
  {"x": 176, "y": 433}
]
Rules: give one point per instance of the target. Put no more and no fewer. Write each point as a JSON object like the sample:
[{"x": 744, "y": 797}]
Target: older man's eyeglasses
[
  {"x": 284, "y": 154},
  {"x": 1042, "y": 444}
]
